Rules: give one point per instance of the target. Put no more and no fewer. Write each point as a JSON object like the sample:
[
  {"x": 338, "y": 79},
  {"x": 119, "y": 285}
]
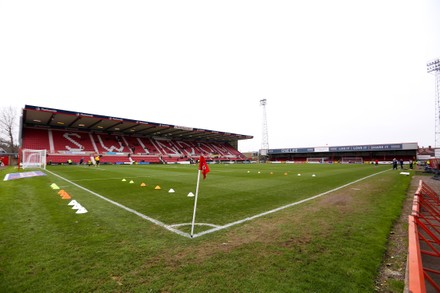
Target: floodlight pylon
[
  {"x": 265, "y": 137},
  {"x": 433, "y": 66}
]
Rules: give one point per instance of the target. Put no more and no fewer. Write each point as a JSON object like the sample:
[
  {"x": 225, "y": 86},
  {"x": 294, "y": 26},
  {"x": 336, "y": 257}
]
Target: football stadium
[{"x": 110, "y": 204}]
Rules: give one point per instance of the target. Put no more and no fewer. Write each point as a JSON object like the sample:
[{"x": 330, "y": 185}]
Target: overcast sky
[{"x": 333, "y": 72}]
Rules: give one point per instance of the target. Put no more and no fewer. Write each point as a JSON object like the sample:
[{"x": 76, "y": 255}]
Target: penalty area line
[{"x": 154, "y": 221}]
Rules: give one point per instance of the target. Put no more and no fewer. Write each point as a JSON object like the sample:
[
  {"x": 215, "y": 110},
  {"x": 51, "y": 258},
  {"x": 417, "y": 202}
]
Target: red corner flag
[{"x": 203, "y": 166}]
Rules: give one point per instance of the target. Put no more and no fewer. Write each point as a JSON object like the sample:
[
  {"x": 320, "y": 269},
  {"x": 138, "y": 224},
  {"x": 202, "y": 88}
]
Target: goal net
[
  {"x": 33, "y": 159},
  {"x": 317, "y": 160},
  {"x": 352, "y": 160}
]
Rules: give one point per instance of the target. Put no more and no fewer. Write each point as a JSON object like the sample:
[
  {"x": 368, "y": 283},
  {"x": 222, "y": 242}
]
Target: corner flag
[
  {"x": 203, "y": 166},
  {"x": 204, "y": 169}
]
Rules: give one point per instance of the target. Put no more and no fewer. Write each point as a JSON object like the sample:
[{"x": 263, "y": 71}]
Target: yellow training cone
[
  {"x": 54, "y": 186},
  {"x": 143, "y": 184},
  {"x": 157, "y": 187}
]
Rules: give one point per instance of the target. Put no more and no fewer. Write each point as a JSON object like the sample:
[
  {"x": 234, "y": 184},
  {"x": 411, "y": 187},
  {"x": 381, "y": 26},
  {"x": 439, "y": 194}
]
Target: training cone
[
  {"x": 143, "y": 184},
  {"x": 299, "y": 174},
  {"x": 271, "y": 173},
  {"x": 249, "y": 171},
  {"x": 76, "y": 206},
  {"x": 131, "y": 182},
  {"x": 81, "y": 210},
  {"x": 190, "y": 194},
  {"x": 72, "y": 202},
  {"x": 285, "y": 173},
  {"x": 313, "y": 175},
  {"x": 54, "y": 186},
  {"x": 66, "y": 196},
  {"x": 124, "y": 179},
  {"x": 63, "y": 193},
  {"x": 171, "y": 191},
  {"x": 157, "y": 187}
]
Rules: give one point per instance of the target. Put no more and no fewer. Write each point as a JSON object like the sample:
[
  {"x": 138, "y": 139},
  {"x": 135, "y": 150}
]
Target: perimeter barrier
[{"x": 424, "y": 241}]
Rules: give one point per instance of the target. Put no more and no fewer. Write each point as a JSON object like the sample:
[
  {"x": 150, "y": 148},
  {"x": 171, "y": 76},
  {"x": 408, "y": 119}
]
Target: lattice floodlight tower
[
  {"x": 434, "y": 67},
  {"x": 265, "y": 139}
]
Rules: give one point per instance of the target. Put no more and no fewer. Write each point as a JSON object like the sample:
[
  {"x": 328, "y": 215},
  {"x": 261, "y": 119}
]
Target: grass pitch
[{"x": 331, "y": 243}]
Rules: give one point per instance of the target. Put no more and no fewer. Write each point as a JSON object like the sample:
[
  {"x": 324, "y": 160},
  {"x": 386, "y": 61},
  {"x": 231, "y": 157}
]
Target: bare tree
[{"x": 8, "y": 129}]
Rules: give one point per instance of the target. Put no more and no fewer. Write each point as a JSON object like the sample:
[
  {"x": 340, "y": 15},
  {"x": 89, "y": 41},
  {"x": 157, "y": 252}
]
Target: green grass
[{"x": 334, "y": 243}]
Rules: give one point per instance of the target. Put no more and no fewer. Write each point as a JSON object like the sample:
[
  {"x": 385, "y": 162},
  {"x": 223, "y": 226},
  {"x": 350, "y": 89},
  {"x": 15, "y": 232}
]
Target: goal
[
  {"x": 33, "y": 159},
  {"x": 317, "y": 160},
  {"x": 352, "y": 160}
]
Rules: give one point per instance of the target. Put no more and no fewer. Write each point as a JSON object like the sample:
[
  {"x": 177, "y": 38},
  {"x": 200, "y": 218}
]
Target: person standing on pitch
[
  {"x": 394, "y": 164},
  {"x": 97, "y": 159}
]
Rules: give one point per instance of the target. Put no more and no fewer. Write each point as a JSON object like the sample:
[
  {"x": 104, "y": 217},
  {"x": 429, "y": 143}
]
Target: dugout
[{"x": 383, "y": 153}]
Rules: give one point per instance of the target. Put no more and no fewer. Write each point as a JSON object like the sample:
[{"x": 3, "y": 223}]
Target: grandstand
[
  {"x": 353, "y": 154},
  {"x": 67, "y": 135}
]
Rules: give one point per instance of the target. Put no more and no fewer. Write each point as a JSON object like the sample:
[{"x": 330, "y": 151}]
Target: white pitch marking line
[
  {"x": 282, "y": 207},
  {"x": 197, "y": 224},
  {"x": 217, "y": 228},
  {"x": 154, "y": 221}
]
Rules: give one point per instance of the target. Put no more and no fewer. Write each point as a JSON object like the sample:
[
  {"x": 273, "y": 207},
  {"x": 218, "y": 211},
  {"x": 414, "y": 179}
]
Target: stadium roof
[{"x": 35, "y": 116}]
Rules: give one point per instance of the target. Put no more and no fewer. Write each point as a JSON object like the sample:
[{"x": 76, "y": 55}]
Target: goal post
[
  {"x": 33, "y": 159},
  {"x": 352, "y": 160},
  {"x": 316, "y": 160}
]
